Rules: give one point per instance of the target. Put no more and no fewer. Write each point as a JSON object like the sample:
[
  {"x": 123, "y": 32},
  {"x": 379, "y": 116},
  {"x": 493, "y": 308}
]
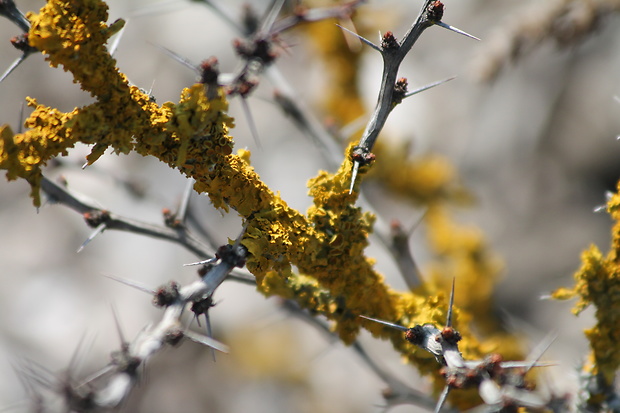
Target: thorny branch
[
  {"x": 392, "y": 91},
  {"x": 186, "y": 138},
  {"x": 102, "y": 220}
]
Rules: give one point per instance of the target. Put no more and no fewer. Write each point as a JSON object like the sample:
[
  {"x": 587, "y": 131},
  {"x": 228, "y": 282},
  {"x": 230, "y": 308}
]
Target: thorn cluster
[{"x": 501, "y": 385}]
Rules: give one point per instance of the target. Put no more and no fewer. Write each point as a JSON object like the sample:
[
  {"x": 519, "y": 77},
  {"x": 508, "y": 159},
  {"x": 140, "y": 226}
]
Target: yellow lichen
[
  {"x": 597, "y": 282},
  {"x": 326, "y": 246}
]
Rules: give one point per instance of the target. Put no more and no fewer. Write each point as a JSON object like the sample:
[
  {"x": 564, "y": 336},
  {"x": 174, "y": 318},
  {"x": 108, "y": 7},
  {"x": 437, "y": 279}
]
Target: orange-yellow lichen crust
[
  {"x": 316, "y": 259},
  {"x": 597, "y": 282}
]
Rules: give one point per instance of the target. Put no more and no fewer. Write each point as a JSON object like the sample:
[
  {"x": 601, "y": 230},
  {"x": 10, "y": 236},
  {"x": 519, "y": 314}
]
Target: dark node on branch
[
  {"x": 250, "y": 21},
  {"x": 449, "y": 335},
  {"x": 415, "y": 335},
  {"x": 435, "y": 11},
  {"x": 209, "y": 71},
  {"x": 243, "y": 86},
  {"x": 258, "y": 49},
  {"x": 125, "y": 362},
  {"x": 174, "y": 336},
  {"x": 78, "y": 401},
  {"x": 400, "y": 91},
  {"x": 233, "y": 255},
  {"x": 300, "y": 11},
  {"x": 95, "y": 218},
  {"x": 166, "y": 294},
  {"x": 492, "y": 364},
  {"x": 20, "y": 42},
  {"x": 362, "y": 155},
  {"x": 170, "y": 219},
  {"x": 459, "y": 378},
  {"x": 389, "y": 42},
  {"x": 202, "y": 306}
]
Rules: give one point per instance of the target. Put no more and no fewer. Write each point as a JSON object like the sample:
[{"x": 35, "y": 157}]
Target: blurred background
[{"x": 530, "y": 123}]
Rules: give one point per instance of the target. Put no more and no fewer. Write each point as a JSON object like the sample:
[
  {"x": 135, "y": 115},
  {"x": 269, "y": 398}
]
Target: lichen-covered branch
[
  {"x": 597, "y": 283},
  {"x": 316, "y": 258}
]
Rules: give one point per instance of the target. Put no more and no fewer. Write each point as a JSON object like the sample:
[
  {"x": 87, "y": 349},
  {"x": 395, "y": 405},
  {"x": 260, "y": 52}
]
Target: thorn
[
  {"x": 355, "y": 45},
  {"x": 541, "y": 349},
  {"x": 251, "y": 123},
  {"x": 429, "y": 86},
  {"x": 14, "y": 66},
  {"x": 363, "y": 39},
  {"x": 119, "y": 330},
  {"x": 73, "y": 362},
  {"x": 187, "y": 194},
  {"x": 117, "y": 39},
  {"x": 356, "y": 167},
  {"x": 207, "y": 341},
  {"x": 151, "y": 88},
  {"x": 184, "y": 61},
  {"x": 449, "y": 317},
  {"x": 207, "y": 261},
  {"x": 455, "y": 30},
  {"x": 209, "y": 332},
  {"x": 130, "y": 283},
  {"x": 94, "y": 376},
  {"x": 386, "y": 323},
  {"x": 442, "y": 399},
  {"x": 272, "y": 15},
  {"x": 96, "y": 232}
]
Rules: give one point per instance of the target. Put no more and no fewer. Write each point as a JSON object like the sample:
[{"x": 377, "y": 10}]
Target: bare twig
[
  {"x": 58, "y": 194},
  {"x": 393, "y": 52}
]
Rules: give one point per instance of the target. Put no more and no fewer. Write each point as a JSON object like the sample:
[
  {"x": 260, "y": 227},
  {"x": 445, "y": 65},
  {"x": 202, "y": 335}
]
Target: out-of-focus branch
[
  {"x": 567, "y": 22},
  {"x": 96, "y": 216}
]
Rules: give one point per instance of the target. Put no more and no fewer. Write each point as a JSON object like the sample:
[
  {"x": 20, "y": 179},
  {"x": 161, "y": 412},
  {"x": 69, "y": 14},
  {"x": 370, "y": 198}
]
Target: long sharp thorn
[
  {"x": 386, "y": 323},
  {"x": 272, "y": 14},
  {"x": 13, "y": 66},
  {"x": 130, "y": 283},
  {"x": 251, "y": 123},
  {"x": 207, "y": 341},
  {"x": 363, "y": 39},
  {"x": 429, "y": 86},
  {"x": 95, "y": 376},
  {"x": 208, "y": 261},
  {"x": 73, "y": 362},
  {"x": 209, "y": 332},
  {"x": 96, "y": 232},
  {"x": 442, "y": 399},
  {"x": 185, "y": 62},
  {"x": 117, "y": 39},
  {"x": 540, "y": 349},
  {"x": 356, "y": 167},
  {"x": 119, "y": 330},
  {"x": 527, "y": 365},
  {"x": 240, "y": 236},
  {"x": 449, "y": 317},
  {"x": 187, "y": 194},
  {"x": 456, "y": 30}
]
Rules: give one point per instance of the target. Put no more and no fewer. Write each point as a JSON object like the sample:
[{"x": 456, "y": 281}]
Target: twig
[
  {"x": 112, "y": 221},
  {"x": 393, "y": 52}
]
